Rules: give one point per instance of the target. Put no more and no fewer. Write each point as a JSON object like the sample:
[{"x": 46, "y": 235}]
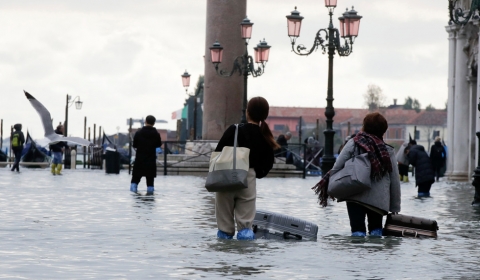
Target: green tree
[
  {"x": 430, "y": 108},
  {"x": 412, "y": 104}
]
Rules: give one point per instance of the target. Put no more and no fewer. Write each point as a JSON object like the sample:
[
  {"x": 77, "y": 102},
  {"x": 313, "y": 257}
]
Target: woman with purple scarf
[{"x": 384, "y": 195}]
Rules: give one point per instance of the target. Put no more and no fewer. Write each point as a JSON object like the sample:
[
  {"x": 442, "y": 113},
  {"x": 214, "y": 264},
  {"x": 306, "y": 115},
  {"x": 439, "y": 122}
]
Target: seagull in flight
[{"x": 50, "y": 136}]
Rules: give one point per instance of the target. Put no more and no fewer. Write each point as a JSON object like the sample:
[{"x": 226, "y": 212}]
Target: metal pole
[
  {"x": 328, "y": 160},
  {"x": 1, "y": 134},
  {"x": 245, "y": 83},
  {"x": 300, "y": 131},
  {"x": 84, "y": 137},
  {"x": 65, "y": 125},
  {"x": 195, "y": 118},
  {"x": 89, "y": 147},
  {"x": 165, "y": 149},
  {"x": 10, "y": 150},
  {"x": 130, "y": 147}
]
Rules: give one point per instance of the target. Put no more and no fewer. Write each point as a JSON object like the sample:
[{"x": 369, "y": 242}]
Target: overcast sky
[{"x": 124, "y": 58}]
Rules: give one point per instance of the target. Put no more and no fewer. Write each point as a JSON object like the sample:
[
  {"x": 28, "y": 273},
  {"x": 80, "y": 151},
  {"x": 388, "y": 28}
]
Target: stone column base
[{"x": 458, "y": 176}]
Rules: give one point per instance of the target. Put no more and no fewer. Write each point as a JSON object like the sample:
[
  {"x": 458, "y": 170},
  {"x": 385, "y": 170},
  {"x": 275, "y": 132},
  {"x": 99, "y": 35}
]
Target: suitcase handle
[
  {"x": 287, "y": 235},
  {"x": 409, "y": 232}
]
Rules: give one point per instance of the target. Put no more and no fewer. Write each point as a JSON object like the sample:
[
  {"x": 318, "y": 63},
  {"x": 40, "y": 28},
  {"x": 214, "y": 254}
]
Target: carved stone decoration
[{"x": 471, "y": 48}]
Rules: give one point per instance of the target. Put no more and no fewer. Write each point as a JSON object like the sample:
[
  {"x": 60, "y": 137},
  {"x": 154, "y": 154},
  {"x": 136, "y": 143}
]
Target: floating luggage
[
  {"x": 269, "y": 225},
  {"x": 403, "y": 225}
]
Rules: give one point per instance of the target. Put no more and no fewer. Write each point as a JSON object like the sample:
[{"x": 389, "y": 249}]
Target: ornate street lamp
[
  {"x": 462, "y": 15},
  {"x": 349, "y": 26},
  {"x": 243, "y": 64},
  {"x": 78, "y": 105}
]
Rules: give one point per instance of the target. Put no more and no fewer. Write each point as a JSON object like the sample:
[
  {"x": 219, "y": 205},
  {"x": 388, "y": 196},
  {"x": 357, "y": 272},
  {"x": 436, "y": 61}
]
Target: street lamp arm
[
  {"x": 70, "y": 103},
  {"x": 459, "y": 16},
  {"x": 318, "y": 42},
  {"x": 342, "y": 50},
  {"x": 237, "y": 67},
  {"x": 251, "y": 67}
]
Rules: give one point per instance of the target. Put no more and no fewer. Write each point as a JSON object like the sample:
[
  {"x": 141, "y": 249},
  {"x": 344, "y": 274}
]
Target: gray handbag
[
  {"x": 353, "y": 178},
  {"x": 229, "y": 168}
]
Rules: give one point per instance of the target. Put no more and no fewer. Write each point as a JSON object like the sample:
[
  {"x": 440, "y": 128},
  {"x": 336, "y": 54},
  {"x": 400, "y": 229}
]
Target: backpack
[{"x": 16, "y": 140}]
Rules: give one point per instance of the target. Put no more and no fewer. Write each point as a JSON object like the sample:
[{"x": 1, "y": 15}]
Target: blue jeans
[
  {"x": 18, "y": 154},
  {"x": 57, "y": 157}
]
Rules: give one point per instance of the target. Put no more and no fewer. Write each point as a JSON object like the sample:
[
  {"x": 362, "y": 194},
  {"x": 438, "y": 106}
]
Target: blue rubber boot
[
  {"x": 359, "y": 233},
  {"x": 376, "y": 232},
  {"x": 423, "y": 194},
  {"x": 223, "y": 235},
  {"x": 245, "y": 234},
  {"x": 133, "y": 187},
  {"x": 150, "y": 190}
]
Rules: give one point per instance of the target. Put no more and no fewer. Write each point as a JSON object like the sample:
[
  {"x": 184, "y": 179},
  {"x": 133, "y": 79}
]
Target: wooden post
[
  {"x": 130, "y": 142},
  {"x": 99, "y": 135},
  {"x": 84, "y": 137},
  {"x": 94, "y": 134},
  {"x": 89, "y": 147},
  {"x": 10, "y": 150},
  {"x": 1, "y": 134}
]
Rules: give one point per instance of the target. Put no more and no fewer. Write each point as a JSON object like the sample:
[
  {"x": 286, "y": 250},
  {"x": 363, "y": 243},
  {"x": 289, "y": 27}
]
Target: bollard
[{"x": 73, "y": 159}]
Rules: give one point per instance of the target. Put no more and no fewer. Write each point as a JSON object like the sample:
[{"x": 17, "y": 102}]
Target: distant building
[{"x": 302, "y": 123}]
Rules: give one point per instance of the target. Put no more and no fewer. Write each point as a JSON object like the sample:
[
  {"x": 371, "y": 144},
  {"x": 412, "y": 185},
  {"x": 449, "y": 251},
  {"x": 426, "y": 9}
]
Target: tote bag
[
  {"x": 228, "y": 169},
  {"x": 353, "y": 178}
]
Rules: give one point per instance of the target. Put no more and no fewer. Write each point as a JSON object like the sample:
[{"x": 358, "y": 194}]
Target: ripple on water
[{"x": 86, "y": 224}]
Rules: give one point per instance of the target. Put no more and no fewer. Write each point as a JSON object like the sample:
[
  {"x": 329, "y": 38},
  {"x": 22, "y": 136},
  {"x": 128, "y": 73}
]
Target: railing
[{"x": 296, "y": 159}]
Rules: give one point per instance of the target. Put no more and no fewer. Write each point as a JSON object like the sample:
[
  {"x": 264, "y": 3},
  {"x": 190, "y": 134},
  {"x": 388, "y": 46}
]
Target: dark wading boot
[{"x": 476, "y": 198}]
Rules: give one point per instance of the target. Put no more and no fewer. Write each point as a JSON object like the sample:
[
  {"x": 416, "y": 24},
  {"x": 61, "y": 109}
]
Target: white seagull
[{"x": 50, "y": 136}]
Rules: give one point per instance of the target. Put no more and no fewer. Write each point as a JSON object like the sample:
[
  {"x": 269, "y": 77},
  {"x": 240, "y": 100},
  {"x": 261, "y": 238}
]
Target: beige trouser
[{"x": 236, "y": 206}]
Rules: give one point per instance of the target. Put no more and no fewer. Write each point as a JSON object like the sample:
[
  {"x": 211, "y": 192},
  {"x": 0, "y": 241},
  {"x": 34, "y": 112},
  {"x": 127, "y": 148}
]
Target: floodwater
[{"x": 86, "y": 224}]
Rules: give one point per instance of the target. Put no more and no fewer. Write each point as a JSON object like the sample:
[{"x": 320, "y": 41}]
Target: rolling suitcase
[
  {"x": 403, "y": 225},
  {"x": 270, "y": 225}
]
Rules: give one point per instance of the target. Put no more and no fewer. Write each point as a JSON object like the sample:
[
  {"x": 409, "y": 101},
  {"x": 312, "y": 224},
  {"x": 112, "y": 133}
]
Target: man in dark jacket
[
  {"x": 424, "y": 176},
  {"x": 57, "y": 150},
  {"x": 18, "y": 139},
  {"x": 282, "y": 140},
  {"x": 145, "y": 142},
  {"x": 437, "y": 156}
]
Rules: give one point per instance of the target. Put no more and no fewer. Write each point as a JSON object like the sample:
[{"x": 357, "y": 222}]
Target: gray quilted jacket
[{"x": 384, "y": 195}]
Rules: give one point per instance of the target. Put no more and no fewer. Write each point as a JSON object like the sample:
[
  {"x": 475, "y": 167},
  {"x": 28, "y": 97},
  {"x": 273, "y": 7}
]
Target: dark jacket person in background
[
  {"x": 18, "y": 139},
  {"x": 145, "y": 142},
  {"x": 437, "y": 156},
  {"x": 424, "y": 176},
  {"x": 282, "y": 140},
  {"x": 57, "y": 150}
]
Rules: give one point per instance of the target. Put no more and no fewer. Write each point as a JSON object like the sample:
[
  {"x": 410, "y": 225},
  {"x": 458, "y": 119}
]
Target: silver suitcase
[{"x": 270, "y": 225}]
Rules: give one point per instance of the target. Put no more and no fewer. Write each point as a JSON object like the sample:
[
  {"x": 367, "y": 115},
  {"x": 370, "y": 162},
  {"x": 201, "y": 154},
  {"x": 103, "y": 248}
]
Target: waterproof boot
[
  {"x": 245, "y": 234},
  {"x": 59, "y": 169},
  {"x": 376, "y": 232},
  {"x": 359, "y": 233},
  {"x": 53, "y": 168},
  {"x": 223, "y": 235},
  {"x": 150, "y": 190},
  {"x": 423, "y": 194},
  {"x": 133, "y": 187},
  {"x": 405, "y": 179},
  {"x": 401, "y": 178}
]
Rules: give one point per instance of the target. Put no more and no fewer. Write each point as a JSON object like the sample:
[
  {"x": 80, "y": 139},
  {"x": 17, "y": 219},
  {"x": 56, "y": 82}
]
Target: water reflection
[{"x": 88, "y": 225}]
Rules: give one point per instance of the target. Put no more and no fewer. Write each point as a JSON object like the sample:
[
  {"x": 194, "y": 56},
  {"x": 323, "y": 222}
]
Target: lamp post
[
  {"x": 476, "y": 175},
  {"x": 462, "y": 17},
  {"x": 186, "y": 84},
  {"x": 78, "y": 105},
  {"x": 349, "y": 26},
  {"x": 243, "y": 64}
]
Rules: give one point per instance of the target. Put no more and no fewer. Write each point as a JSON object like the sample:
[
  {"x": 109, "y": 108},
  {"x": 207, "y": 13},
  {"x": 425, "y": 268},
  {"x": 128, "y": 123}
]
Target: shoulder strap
[{"x": 235, "y": 147}]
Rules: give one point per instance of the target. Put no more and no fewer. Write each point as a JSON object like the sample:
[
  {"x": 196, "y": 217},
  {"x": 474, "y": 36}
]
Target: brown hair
[
  {"x": 375, "y": 123},
  {"x": 257, "y": 110}
]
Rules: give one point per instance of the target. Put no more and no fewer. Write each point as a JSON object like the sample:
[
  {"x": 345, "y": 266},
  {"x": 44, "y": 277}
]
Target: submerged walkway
[{"x": 86, "y": 224}]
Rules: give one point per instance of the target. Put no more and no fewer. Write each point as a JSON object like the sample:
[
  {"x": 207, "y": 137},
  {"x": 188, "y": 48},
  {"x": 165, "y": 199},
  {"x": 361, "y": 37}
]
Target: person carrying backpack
[
  {"x": 437, "y": 156},
  {"x": 17, "y": 140}
]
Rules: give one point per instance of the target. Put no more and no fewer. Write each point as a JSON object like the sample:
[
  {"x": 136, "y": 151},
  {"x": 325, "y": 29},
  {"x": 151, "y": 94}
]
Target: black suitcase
[
  {"x": 403, "y": 225},
  {"x": 270, "y": 225}
]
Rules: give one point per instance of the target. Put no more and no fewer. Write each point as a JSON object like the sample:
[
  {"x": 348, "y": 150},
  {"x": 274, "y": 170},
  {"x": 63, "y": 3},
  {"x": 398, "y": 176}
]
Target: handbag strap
[{"x": 235, "y": 147}]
